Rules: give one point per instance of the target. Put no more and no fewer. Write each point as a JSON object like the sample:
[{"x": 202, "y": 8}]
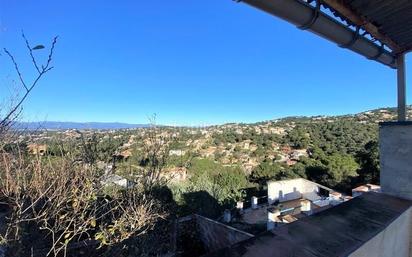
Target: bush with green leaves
[{"x": 214, "y": 184}]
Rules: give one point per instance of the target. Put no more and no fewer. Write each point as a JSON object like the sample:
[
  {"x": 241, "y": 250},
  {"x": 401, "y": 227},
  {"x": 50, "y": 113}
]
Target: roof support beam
[
  {"x": 307, "y": 17},
  {"x": 401, "y": 87},
  {"x": 344, "y": 10}
]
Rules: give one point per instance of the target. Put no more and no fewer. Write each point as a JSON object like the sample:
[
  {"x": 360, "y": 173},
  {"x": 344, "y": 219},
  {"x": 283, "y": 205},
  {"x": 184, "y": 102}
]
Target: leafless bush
[
  {"x": 66, "y": 202},
  {"x": 57, "y": 201},
  {"x": 155, "y": 152}
]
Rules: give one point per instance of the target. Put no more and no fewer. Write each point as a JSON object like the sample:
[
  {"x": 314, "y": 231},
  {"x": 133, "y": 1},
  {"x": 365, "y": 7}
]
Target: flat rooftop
[{"x": 337, "y": 231}]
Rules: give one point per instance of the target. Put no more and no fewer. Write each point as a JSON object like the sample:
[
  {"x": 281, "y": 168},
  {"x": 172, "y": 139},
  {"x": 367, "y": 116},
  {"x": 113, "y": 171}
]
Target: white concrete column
[
  {"x": 239, "y": 205},
  {"x": 273, "y": 214},
  {"x": 227, "y": 216},
  {"x": 254, "y": 202},
  {"x": 306, "y": 206}
]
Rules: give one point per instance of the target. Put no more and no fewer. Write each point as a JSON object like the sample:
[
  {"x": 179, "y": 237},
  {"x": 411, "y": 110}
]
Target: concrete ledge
[
  {"x": 396, "y": 123},
  {"x": 349, "y": 229}
]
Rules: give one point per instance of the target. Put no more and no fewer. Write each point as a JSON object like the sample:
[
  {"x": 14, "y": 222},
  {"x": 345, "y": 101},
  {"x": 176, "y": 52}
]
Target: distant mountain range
[
  {"x": 376, "y": 115},
  {"x": 59, "y": 125}
]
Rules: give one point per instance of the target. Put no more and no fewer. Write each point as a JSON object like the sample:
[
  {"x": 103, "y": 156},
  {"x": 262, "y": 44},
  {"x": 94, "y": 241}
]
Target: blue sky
[{"x": 190, "y": 62}]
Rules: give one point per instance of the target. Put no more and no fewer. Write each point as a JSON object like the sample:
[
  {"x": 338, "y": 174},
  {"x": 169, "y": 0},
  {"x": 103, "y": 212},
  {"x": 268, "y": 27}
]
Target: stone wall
[
  {"x": 216, "y": 235},
  {"x": 188, "y": 238}
]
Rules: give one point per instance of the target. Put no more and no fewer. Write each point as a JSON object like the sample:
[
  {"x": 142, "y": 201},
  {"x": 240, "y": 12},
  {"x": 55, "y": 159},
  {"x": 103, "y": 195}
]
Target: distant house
[
  {"x": 291, "y": 162},
  {"x": 246, "y": 144},
  {"x": 281, "y": 158},
  {"x": 177, "y": 152},
  {"x": 278, "y": 130},
  {"x": 37, "y": 149},
  {"x": 288, "y": 201},
  {"x": 296, "y": 154},
  {"x": 113, "y": 179},
  {"x": 286, "y": 149},
  {"x": 176, "y": 174},
  {"x": 123, "y": 155}
]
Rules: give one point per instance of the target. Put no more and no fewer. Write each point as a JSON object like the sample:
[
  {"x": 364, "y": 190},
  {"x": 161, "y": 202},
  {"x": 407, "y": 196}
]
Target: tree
[
  {"x": 228, "y": 186},
  {"x": 296, "y": 171},
  {"x": 155, "y": 156},
  {"x": 298, "y": 137},
  {"x": 210, "y": 180},
  {"x": 369, "y": 163},
  {"x": 338, "y": 168},
  {"x": 266, "y": 170},
  {"x": 106, "y": 148}
]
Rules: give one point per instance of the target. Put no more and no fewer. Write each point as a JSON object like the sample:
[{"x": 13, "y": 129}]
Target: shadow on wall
[
  {"x": 202, "y": 203},
  {"x": 296, "y": 194},
  {"x": 198, "y": 235}
]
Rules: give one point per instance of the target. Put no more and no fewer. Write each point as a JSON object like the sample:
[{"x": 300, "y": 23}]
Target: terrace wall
[
  {"x": 216, "y": 235},
  {"x": 287, "y": 190}
]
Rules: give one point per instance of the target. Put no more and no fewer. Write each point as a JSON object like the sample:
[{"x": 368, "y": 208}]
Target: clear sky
[{"x": 190, "y": 62}]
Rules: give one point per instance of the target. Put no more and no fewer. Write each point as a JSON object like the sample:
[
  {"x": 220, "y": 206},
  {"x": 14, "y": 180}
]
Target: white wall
[
  {"x": 292, "y": 189},
  {"x": 322, "y": 203}
]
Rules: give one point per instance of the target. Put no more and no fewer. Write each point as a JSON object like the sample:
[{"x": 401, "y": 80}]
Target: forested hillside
[{"x": 221, "y": 164}]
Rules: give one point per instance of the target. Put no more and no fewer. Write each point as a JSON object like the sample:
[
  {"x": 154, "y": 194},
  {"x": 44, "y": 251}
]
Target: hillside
[
  {"x": 61, "y": 125},
  {"x": 337, "y": 151}
]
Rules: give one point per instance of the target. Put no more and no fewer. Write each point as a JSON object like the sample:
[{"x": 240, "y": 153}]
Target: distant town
[
  {"x": 277, "y": 146},
  {"x": 243, "y": 179}
]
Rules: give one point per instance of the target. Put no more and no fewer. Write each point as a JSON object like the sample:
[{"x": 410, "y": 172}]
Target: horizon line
[{"x": 204, "y": 124}]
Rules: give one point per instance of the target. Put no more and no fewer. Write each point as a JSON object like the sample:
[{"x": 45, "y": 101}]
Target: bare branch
[
  {"x": 16, "y": 67},
  {"x": 30, "y": 52},
  {"x": 11, "y": 115},
  {"x": 49, "y": 59}
]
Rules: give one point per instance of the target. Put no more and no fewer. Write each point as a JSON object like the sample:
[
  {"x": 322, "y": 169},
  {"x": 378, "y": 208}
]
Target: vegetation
[
  {"x": 59, "y": 199},
  {"x": 62, "y": 187},
  {"x": 220, "y": 186}
]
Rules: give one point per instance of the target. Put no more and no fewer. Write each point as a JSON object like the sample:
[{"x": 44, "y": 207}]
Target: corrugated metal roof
[{"x": 393, "y": 18}]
